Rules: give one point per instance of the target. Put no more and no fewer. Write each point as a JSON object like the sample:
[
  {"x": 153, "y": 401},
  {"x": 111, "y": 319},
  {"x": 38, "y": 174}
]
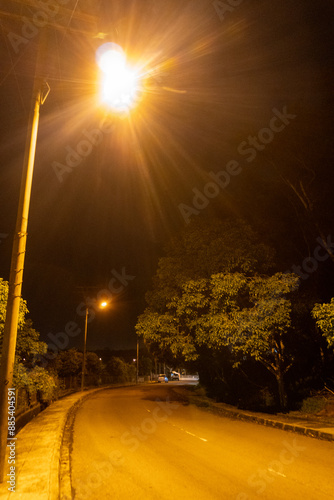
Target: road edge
[
  {"x": 66, "y": 491},
  {"x": 221, "y": 409}
]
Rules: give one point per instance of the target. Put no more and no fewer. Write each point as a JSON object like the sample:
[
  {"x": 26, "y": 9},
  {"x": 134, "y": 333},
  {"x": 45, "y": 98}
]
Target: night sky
[{"x": 219, "y": 75}]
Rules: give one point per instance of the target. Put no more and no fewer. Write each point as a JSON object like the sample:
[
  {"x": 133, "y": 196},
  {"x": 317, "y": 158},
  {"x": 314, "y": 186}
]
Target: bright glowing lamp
[{"x": 119, "y": 86}]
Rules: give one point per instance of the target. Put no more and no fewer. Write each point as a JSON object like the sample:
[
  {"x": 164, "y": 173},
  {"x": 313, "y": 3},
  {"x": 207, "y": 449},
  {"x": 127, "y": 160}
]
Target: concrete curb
[
  {"x": 285, "y": 426},
  {"x": 267, "y": 420},
  {"x": 64, "y": 476},
  {"x": 65, "y": 488}
]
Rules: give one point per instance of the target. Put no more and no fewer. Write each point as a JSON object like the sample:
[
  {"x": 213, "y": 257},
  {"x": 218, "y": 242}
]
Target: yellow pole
[
  {"x": 84, "y": 353},
  {"x": 137, "y": 367},
  {"x": 16, "y": 272}
]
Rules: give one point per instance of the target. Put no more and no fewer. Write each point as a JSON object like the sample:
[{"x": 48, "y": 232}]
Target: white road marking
[
  {"x": 187, "y": 432},
  {"x": 275, "y": 472},
  {"x": 190, "y": 433}
]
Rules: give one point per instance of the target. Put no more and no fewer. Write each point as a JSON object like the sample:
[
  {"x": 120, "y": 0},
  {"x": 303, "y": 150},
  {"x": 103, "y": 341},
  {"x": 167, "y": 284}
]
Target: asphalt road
[{"x": 145, "y": 443}]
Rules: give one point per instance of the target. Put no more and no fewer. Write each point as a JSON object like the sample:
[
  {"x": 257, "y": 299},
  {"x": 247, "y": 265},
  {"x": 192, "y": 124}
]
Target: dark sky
[{"x": 218, "y": 75}]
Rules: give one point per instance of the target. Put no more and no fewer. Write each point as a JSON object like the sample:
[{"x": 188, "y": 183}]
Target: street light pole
[
  {"x": 137, "y": 370},
  {"x": 16, "y": 268},
  {"x": 102, "y": 305},
  {"x": 18, "y": 253},
  {"x": 84, "y": 352}
]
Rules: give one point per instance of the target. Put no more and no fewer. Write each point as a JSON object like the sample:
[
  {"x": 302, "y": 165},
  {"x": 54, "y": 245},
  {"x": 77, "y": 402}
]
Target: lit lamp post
[
  {"x": 17, "y": 265},
  {"x": 102, "y": 305},
  {"x": 119, "y": 90}
]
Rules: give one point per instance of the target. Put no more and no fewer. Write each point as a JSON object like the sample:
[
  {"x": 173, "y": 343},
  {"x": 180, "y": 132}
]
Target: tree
[
  {"x": 36, "y": 380},
  {"x": 26, "y": 375},
  {"x": 3, "y": 304},
  {"x": 145, "y": 365},
  {"x": 28, "y": 345},
  {"x": 324, "y": 316},
  {"x": 94, "y": 367},
  {"x": 121, "y": 371},
  {"x": 252, "y": 317},
  {"x": 69, "y": 363},
  {"x": 205, "y": 247},
  {"x": 211, "y": 291}
]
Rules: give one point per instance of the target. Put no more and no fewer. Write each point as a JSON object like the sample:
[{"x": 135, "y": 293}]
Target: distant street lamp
[{"x": 102, "y": 305}]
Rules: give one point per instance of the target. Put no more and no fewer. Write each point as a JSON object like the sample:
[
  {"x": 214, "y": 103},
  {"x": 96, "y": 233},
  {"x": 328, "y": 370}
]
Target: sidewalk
[
  {"x": 39, "y": 443},
  {"x": 38, "y": 448}
]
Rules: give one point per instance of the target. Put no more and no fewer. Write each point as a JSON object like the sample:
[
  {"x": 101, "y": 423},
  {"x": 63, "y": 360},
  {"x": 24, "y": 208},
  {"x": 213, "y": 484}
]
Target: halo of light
[
  {"x": 110, "y": 57},
  {"x": 119, "y": 83}
]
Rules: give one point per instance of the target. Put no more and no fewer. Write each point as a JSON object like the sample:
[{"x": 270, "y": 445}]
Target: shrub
[{"x": 313, "y": 404}]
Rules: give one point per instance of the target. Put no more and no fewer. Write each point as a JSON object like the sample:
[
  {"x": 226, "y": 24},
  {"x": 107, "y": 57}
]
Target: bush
[
  {"x": 313, "y": 404},
  {"x": 121, "y": 371},
  {"x": 37, "y": 381}
]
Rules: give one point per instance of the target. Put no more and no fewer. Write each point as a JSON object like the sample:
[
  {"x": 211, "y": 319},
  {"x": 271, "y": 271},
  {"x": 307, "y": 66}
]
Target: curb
[
  {"x": 306, "y": 431},
  {"x": 65, "y": 488},
  {"x": 64, "y": 474},
  {"x": 257, "y": 419}
]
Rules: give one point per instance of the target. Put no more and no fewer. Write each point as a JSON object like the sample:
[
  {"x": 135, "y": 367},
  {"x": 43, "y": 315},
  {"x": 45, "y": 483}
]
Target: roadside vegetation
[
  {"x": 221, "y": 303},
  {"x": 41, "y": 385}
]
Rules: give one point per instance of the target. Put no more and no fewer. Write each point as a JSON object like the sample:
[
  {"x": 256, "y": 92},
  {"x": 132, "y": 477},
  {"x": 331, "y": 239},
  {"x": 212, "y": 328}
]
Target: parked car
[
  {"x": 162, "y": 378},
  {"x": 175, "y": 376}
]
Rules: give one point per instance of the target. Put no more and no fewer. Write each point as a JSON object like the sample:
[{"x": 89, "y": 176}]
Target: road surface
[{"x": 144, "y": 443}]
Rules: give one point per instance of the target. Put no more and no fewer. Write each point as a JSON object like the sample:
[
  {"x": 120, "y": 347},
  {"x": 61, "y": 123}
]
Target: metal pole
[
  {"x": 84, "y": 353},
  {"x": 137, "y": 372},
  {"x": 16, "y": 271}
]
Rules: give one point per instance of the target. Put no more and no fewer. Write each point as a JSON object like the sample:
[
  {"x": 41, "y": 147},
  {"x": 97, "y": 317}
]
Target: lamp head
[{"x": 120, "y": 83}]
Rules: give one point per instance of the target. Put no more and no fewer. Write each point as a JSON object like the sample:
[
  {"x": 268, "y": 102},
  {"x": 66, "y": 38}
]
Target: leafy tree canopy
[
  {"x": 94, "y": 366},
  {"x": 28, "y": 344},
  {"x": 324, "y": 316},
  {"x": 120, "y": 370},
  {"x": 69, "y": 363},
  {"x": 3, "y": 305},
  {"x": 33, "y": 378},
  {"x": 204, "y": 248},
  {"x": 211, "y": 290}
]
